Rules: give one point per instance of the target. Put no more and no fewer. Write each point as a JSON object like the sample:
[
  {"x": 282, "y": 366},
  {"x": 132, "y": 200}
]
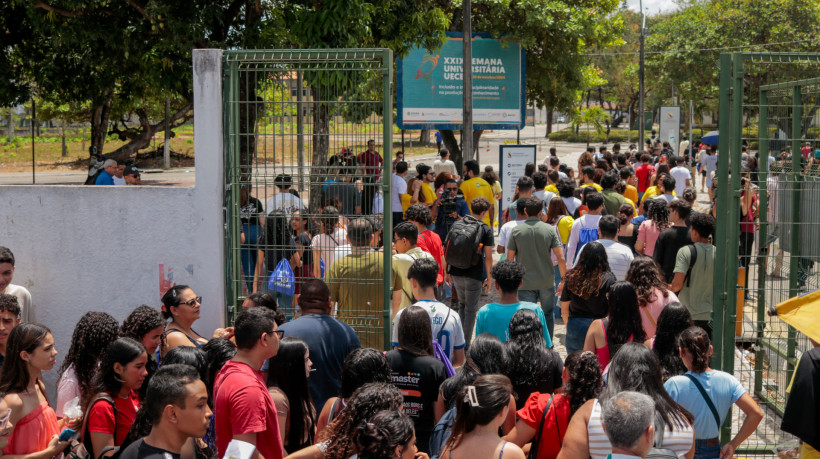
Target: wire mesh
[
  {"x": 770, "y": 229},
  {"x": 300, "y": 175}
]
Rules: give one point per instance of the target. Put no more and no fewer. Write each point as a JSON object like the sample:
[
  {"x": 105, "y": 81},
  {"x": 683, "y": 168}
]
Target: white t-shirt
[
  {"x": 710, "y": 164},
  {"x": 446, "y": 165},
  {"x": 452, "y": 337},
  {"x": 586, "y": 221},
  {"x": 342, "y": 251},
  {"x": 399, "y": 188},
  {"x": 506, "y": 230},
  {"x": 681, "y": 175},
  {"x": 545, "y": 196},
  {"x": 326, "y": 245},
  {"x": 284, "y": 201},
  {"x": 67, "y": 388},
  {"x": 618, "y": 255},
  {"x": 572, "y": 203},
  {"x": 118, "y": 180}
]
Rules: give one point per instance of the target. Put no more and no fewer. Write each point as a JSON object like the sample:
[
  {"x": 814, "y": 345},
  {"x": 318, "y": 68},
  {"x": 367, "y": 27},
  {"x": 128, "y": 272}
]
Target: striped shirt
[{"x": 679, "y": 441}]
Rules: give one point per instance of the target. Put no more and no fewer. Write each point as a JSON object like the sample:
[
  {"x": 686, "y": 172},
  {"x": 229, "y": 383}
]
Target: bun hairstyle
[
  {"x": 171, "y": 299},
  {"x": 478, "y": 404},
  {"x": 696, "y": 342},
  {"x": 382, "y": 434}
]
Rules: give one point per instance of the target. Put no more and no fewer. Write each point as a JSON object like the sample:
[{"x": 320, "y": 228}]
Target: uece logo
[{"x": 425, "y": 70}]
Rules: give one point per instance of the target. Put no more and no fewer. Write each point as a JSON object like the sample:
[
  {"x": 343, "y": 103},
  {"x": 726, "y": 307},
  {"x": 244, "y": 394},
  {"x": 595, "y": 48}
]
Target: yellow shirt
[
  {"x": 429, "y": 193},
  {"x": 405, "y": 201},
  {"x": 593, "y": 185},
  {"x": 477, "y": 187},
  {"x": 653, "y": 192},
  {"x": 497, "y": 188},
  {"x": 631, "y": 193},
  {"x": 552, "y": 189},
  {"x": 634, "y": 207},
  {"x": 564, "y": 227}
]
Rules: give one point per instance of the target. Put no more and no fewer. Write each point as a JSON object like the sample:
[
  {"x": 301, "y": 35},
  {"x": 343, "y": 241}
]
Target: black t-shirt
[
  {"x": 304, "y": 240},
  {"x": 347, "y": 195},
  {"x": 666, "y": 248},
  {"x": 418, "y": 378},
  {"x": 141, "y": 450},
  {"x": 475, "y": 272},
  {"x": 249, "y": 213},
  {"x": 594, "y": 307}
]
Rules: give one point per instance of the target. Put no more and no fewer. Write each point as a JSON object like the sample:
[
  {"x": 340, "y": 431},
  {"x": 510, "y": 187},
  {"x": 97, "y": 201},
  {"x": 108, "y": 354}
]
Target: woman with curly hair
[
  {"x": 622, "y": 325},
  {"x": 92, "y": 334},
  {"x": 582, "y": 382},
  {"x": 388, "y": 434},
  {"x": 674, "y": 319},
  {"x": 584, "y": 296},
  {"x": 146, "y": 325},
  {"x": 338, "y": 441},
  {"x": 652, "y": 290},
  {"x": 325, "y": 242},
  {"x": 657, "y": 221},
  {"x": 633, "y": 368}
]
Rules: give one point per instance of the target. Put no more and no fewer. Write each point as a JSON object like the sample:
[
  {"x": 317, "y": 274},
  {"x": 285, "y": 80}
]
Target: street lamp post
[{"x": 641, "y": 83}]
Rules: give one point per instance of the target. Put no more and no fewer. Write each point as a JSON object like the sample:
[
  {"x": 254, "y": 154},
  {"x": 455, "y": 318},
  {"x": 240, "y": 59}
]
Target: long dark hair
[
  {"x": 365, "y": 402},
  {"x": 92, "y": 334},
  {"x": 286, "y": 371},
  {"x": 674, "y": 319},
  {"x": 526, "y": 328},
  {"x": 382, "y": 434},
  {"x": 586, "y": 278},
  {"x": 646, "y": 276},
  {"x": 585, "y": 380},
  {"x": 657, "y": 212},
  {"x": 492, "y": 393},
  {"x": 25, "y": 337},
  {"x": 362, "y": 366},
  {"x": 624, "y": 317},
  {"x": 414, "y": 331},
  {"x": 634, "y": 367},
  {"x": 328, "y": 219},
  {"x": 217, "y": 351},
  {"x": 557, "y": 209},
  {"x": 532, "y": 369},
  {"x": 486, "y": 355},
  {"x": 122, "y": 351},
  {"x": 489, "y": 175}
]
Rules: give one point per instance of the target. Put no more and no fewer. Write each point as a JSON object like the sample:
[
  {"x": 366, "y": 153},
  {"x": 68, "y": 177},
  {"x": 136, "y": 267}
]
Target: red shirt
[
  {"x": 644, "y": 173},
  {"x": 555, "y": 422},
  {"x": 373, "y": 161},
  {"x": 242, "y": 404},
  {"x": 101, "y": 416},
  {"x": 430, "y": 242}
]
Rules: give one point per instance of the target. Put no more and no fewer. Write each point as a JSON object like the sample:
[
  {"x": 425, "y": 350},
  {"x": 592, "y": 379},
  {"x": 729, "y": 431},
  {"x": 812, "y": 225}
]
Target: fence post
[
  {"x": 762, "y": 258},
  {"x": 795, "y": 266},
  {"x": 719, "y": 293},
  {"x": 387, "y": 169}
]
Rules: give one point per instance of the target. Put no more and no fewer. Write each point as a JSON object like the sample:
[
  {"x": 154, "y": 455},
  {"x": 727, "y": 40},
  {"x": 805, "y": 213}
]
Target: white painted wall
[{"x": 86, "y": 248}]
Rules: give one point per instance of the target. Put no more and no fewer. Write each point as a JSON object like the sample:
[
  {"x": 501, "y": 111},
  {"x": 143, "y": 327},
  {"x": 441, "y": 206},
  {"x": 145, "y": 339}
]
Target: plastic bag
[
  {"x": 282, "y": 279},
  {"x": 72, "y": 409}
]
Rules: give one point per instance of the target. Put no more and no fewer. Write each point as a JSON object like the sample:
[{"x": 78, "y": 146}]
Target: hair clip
[{"x": 471, "y": 396}]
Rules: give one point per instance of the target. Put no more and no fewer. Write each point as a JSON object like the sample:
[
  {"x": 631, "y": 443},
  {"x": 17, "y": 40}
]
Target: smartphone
[{"x": 66, "y": 434}]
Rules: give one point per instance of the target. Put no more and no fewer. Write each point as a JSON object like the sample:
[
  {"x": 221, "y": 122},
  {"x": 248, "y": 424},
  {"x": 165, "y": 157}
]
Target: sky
[{"x": 653, "y": 6}]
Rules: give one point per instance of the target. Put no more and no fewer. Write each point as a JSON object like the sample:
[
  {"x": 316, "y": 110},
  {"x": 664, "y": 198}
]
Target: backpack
[
  {"x": 585, "y": 235},
  {"x": 693, "y": 257},
  {"x": 441, "y": 433},
  {"x": 83, "y": 449},
  {"x": 462, "y": 248}
]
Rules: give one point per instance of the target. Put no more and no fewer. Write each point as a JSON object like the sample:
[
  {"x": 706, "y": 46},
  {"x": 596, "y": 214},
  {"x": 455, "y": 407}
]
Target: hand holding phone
[{"x": 67, "y": 434}]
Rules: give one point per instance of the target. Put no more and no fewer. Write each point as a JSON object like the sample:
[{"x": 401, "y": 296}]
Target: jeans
[
  {"x": 285, "y": 303},
  {"x": 557, "y": 310},
  {"x": 469, "y": 291},
  {"x": 576, "y": 333},
  {"x": 248, "y": 253},
  {"x": 547, "y": 297},
  {"x": 707, "y": 449},
  {"x": 398, "y": 217}
]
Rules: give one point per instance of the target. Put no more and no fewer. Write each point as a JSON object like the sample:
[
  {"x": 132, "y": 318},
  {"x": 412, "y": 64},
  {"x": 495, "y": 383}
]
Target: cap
[{"x": 131, "y": 170}]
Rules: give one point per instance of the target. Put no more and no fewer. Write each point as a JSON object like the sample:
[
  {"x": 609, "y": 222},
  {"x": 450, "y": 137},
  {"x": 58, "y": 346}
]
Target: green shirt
[
  {"x": 697, "y": 297},
  {"x": 401, "y": 264},
  {"x": 356, "y": 284},
  {"x": 533, "y": 242},
  {"x": 613, "y": 201}
]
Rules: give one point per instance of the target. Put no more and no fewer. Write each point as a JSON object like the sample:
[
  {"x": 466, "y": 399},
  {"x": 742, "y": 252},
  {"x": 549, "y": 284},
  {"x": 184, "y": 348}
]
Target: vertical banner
[
  {"x": 511, "y": 162},
  {"x": 669, "y": 125}
]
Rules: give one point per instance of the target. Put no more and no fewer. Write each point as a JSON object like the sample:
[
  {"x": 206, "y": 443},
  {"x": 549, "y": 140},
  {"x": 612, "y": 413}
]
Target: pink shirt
[
  {"x": 654, "y": 309},
  {"x": 648, "y": 233}
]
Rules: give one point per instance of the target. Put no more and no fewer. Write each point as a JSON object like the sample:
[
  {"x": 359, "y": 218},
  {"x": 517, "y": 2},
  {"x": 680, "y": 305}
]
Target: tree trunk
[
  {"x": 248, "y": 113},
  {"x": 424, "y": 138},
  {"x": 321, "y": 150},
  {"x": 549, "y": 122},
  {"x": 99, "y": 121},
  {"x": 451, "y": 143},
  {"x": 62, "y": 135},
  {"x": 11, "y": 125},
  {"x": 147, "y": 131}
]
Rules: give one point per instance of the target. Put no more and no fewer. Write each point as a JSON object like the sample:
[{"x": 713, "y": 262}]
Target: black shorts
[{"x": 703, "y": 172}]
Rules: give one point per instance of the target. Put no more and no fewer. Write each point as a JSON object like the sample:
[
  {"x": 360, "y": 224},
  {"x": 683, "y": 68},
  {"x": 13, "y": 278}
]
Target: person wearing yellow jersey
[
  {"x": 552, "y": 180},
  {"x": 427, "y": 176},
  {"x": 476, "y": 187},
  {"x": 587, "y": 173},
  {"x": 628, "y": 176}
]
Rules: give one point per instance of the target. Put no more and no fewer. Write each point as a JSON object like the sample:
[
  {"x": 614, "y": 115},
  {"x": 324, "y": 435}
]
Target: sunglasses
[
  {"x": 5, "y": 418},
  {"x": 192, "y": 301}
]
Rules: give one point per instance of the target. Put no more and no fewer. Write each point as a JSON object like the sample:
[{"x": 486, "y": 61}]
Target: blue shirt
[
  {"x": 495, "y": 318},
  {"x": 442, "y": 225},
  {"x": 639, "y": 219},
  {"x": 104, "y": 179},
  {"x": 724, "y": 390}
]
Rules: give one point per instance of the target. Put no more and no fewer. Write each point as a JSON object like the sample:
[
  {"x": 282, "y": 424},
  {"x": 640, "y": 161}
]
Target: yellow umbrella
[{"x": 801, "y": 312}]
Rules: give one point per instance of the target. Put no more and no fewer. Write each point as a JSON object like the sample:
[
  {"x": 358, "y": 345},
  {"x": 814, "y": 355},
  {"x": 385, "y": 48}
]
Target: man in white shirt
[
  {"x": 683, "y": 178},
  {"x": 684, "y": 144},
  {"x": 619, "y": 255},
  {"x": 595, "y": 203},
  {"x": 22, "y": 293},
  {"x": 444, "y": 164},
  {"x": 284, "y": 200},
  {"x": 398, "y": 188},
  {"x": 506, "y": 229},
  {"x": 118, "y": 178}
]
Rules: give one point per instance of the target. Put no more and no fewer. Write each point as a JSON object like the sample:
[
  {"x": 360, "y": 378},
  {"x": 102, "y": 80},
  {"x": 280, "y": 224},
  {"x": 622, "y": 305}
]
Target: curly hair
[
  {"x": 585, "y": 381},
  {"x": 382, "y": 434},
  {"x": 696, "y": 342},
  {"x": 362, "y": 366},
  {"x": 508, "y": 275},
  {"x": 141, "y": 320},
  {"x": 532, "y": 369},
  {"x": 419, "y": 213},
  {"x": 566, "y": 188},
  {"x": 342, "y": 433},
  {"x": 674, "y": 319},
  {"x": 657, "y": 212},
  {"x": 586, "y": 278},
  {"x": 526, "y": 328},
  {"x": 9, "y": 303},
  {"x": 94, "y": 332},
  {"x": 625, "y": 213},
  {"x": 646, "y": 276}
]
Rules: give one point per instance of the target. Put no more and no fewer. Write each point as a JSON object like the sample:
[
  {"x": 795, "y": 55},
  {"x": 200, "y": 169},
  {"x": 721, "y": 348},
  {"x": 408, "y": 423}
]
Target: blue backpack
[
  {"x": 585, "y": 236},
  {"x": 441, "y": 433}
]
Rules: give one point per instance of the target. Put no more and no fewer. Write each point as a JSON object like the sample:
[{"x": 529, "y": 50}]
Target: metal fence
[
  {"x": 297, "y": 125},
  {"x": 768, "y": 103}
]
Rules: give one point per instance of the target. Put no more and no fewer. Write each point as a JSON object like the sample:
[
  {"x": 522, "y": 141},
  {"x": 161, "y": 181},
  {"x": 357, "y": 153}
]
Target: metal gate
[
  {"x": 297, "y": 124},
  {"x": 768, "y": 103}
]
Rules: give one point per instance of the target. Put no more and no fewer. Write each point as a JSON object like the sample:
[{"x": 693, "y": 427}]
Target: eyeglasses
[
  {"x": 5, "y": 418},
  {"x": 279, "y": 333},
  {"x": 192, "y": 301}
]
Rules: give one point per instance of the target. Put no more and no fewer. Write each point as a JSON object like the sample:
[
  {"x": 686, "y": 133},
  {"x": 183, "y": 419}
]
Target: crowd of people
[{"x": 618, "y": 256}]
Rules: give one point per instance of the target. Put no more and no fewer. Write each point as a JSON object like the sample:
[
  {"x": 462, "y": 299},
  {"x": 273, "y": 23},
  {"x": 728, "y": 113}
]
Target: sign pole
[{"x": 467, "y": 80}]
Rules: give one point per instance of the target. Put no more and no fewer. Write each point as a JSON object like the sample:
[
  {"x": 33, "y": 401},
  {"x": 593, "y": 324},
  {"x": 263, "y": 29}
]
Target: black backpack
[{"x": 462, "y": 248}]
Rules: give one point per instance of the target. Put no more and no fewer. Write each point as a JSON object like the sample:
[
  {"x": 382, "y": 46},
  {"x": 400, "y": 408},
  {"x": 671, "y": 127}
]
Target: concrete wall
[{"x": 85, "y": 248}]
